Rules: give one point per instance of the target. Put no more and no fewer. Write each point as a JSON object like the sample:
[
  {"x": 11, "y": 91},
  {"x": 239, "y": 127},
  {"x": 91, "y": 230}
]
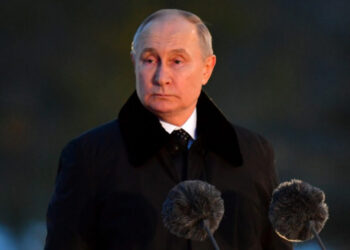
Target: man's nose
[{"x": 162, "y": 76}]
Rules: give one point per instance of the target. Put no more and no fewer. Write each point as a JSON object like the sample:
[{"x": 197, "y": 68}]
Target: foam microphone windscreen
[
  {"x": 190, "y": 204},
  {"x": 296, "y": 209}
]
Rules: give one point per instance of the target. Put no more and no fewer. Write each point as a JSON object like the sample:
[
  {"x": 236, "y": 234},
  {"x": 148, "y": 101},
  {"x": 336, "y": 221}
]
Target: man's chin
[{"x": 162, "y": 109}]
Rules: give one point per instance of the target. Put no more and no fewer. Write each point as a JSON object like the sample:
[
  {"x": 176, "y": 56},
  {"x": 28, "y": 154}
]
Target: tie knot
[{"x": 182, "y": 137}]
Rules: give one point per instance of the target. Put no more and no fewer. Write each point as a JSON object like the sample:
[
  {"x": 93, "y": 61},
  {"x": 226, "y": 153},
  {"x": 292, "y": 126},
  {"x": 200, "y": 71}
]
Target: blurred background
[{"x": 283, "y": 70}]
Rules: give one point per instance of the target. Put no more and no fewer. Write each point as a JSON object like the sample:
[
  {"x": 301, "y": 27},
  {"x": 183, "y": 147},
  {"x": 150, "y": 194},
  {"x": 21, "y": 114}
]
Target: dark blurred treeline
[{"x": 283, "y": 70}]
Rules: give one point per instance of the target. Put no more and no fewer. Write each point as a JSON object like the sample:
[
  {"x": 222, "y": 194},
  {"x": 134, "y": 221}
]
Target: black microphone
[
  {"x": 193, "y": 209},
  {"x": 298, "y": 211}
]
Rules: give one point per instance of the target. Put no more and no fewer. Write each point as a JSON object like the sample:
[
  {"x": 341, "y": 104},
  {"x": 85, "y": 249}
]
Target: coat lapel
[
  {"x": 218, "y": 134},
  {"x": 144, "y": 136},
  {"x": 142, "y": 132}
]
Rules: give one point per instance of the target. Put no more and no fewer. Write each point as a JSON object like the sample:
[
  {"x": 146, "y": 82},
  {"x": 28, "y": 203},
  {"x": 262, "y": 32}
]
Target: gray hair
[{"x": 204, "y": 35}]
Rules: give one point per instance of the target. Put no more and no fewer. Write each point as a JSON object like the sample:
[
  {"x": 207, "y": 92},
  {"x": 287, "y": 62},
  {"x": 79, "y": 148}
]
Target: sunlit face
[{"x": 170, "y": 69}]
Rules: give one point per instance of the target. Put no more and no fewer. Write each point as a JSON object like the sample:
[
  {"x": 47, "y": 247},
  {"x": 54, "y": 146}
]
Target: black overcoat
[{"x": 112, "y": 181}]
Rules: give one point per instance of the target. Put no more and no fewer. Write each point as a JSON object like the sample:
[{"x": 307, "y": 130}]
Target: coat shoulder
[
  {"x": 98, "y": 142},
  {"x": 100, "y": 136},
  {"x": 252, "y": 141}
]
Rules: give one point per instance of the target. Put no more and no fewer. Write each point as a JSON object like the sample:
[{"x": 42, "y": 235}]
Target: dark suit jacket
[{"x": 112, "y": 181}]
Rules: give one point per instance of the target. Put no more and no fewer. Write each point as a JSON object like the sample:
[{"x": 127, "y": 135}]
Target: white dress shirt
[{"x": 189, "y": 126}]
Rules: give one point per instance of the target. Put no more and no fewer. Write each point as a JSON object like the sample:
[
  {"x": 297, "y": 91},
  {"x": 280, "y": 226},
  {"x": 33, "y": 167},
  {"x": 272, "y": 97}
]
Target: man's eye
[
  {"x": 178, "y": 61},
  {"x": 148, "y": 60}
]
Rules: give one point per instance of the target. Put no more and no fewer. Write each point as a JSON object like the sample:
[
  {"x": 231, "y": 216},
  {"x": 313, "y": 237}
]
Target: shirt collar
[{"x": 189, "y": 126}]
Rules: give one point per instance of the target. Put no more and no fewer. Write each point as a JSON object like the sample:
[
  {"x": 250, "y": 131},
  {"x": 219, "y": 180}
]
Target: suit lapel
[{"x": 168, "y": 166}]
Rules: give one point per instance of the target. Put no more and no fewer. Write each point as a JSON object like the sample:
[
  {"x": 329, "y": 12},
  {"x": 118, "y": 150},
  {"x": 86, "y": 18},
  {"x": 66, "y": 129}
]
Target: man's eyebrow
[
  {"x": 148, "y": 50},
  {"x": 179, "y": 51},
  {"x": 153, "y": 51}
]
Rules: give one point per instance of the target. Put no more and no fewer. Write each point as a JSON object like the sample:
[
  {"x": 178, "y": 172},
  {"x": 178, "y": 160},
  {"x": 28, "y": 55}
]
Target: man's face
[{"x": 170, "y": 69}]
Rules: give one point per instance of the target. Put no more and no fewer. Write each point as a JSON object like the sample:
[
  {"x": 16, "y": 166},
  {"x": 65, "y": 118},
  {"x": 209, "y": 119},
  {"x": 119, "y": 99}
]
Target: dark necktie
[
  {"x": 180, "y": 159},
  {"x": 182, "y": 137}
]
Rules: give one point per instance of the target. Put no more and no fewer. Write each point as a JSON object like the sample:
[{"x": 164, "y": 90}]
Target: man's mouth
[{"x": 161, "y": 95}]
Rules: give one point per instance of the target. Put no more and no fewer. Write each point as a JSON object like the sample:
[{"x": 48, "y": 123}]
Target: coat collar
[{"x": 144, "y": 136}]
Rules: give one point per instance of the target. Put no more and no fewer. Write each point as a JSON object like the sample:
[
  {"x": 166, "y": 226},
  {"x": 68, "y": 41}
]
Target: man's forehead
[
  {"x": 168, "y": 20},
  {"x": 167, "y": 31}
]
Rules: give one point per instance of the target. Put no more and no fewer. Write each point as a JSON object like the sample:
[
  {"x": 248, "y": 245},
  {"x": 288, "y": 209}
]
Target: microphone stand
[
  {"x": 204, "y": 224},
  {"x": 319, "y": 241}
]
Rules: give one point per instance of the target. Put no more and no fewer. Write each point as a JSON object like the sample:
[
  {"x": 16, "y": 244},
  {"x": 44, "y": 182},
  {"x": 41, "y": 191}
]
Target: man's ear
[
  {"x": 132, "y": 57},
  {"x": 209, "y": 65}
]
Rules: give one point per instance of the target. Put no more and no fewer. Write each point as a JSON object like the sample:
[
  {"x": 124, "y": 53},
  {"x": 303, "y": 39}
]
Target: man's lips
[{"x": 161, "y": 95}]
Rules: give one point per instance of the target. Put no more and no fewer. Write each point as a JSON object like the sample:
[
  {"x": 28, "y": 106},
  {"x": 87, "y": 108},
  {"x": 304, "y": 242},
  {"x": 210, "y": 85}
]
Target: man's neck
[
  {"x": 189, "y": 125},
  {"x": 177, "y": 118}
]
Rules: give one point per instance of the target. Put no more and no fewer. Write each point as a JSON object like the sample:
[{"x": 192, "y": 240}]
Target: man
[{"x": 112, "y": 180}]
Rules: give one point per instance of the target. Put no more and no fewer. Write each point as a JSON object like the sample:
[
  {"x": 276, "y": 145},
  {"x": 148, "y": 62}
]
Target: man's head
[
  {"x": 173, "y": 59},
  {"x": 205, "y": 39}
]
